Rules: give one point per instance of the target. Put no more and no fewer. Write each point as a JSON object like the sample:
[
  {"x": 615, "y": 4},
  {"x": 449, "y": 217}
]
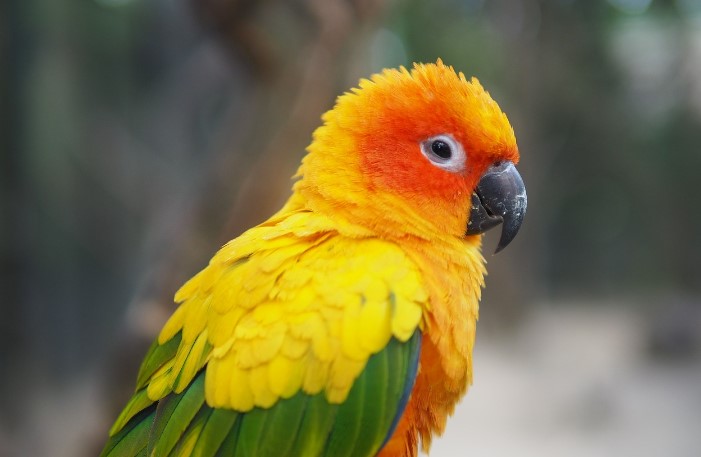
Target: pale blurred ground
[{"x": 577, "y": 381}]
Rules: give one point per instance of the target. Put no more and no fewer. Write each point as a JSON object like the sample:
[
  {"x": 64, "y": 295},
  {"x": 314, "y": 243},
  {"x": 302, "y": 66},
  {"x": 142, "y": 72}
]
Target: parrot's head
[{"x": 420, "y": 152}]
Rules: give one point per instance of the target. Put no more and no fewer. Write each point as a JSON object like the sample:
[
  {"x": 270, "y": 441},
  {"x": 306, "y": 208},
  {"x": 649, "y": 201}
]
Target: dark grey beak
[{"x": 500, "y": 198}]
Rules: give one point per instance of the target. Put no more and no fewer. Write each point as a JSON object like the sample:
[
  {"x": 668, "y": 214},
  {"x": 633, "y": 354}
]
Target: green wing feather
[
  {"x": 132, "y": 439},
  {"x": 173, "y": 416},
  {"x": 157, "y": 356},
  {"x": 303, "y": 425},
  {"x": 316, "y": 425}
]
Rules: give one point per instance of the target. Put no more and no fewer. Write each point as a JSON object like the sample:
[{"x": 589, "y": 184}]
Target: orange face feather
[{"x": 384, "y": 123}]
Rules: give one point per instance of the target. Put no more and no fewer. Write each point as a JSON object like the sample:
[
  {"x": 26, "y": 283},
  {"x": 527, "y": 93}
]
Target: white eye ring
[{"x": 444, "y": 152}]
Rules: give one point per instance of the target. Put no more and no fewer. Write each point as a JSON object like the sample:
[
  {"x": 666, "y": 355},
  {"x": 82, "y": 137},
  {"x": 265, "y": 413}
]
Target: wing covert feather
[
  {"x": 286, "y": 314},
  {"x": 281, "y": 332}
]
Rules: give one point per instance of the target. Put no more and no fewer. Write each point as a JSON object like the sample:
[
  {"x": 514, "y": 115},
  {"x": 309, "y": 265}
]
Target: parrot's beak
[{"x": 500, "y": 197}]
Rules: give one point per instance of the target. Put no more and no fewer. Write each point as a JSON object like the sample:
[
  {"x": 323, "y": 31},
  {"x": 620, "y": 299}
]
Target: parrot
[{"x": 343, "y": 325}]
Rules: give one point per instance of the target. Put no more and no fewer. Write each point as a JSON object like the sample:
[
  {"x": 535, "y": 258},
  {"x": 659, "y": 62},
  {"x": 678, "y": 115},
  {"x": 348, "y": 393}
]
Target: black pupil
[{"x": 441, "y": 149}]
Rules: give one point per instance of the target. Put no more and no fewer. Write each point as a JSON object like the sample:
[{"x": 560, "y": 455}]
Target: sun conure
[{"x": 344, "y": 324}]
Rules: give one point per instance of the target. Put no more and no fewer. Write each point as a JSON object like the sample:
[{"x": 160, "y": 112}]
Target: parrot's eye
[
  {"x": 444, "y": 152},
  {"x": 441, "y": 149}
]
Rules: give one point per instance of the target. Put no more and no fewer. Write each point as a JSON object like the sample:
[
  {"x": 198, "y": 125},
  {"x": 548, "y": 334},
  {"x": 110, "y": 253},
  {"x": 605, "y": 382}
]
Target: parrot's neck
[{"x": 378, "y": 214}]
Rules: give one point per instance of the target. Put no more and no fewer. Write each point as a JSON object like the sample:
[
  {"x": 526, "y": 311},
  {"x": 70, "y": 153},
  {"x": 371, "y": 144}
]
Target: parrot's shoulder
[{"x": 291, "y": 305}]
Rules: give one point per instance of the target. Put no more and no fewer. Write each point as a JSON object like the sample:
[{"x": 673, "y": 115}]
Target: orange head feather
[{"x": 369, "y": 162}]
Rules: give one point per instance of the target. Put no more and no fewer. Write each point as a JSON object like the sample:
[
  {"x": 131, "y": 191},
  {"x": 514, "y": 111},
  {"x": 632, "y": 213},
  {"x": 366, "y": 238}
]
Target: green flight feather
[
  {"x": 344, "y": 436},
  {"x": 131, "y": 440},
  {"x": 362, "y": 421},
  {"x": 315, "y": 427},
  {"x": 372, "y": 423},
  {"x": 283, "y": 425},
  {"x": 303, "y": 425},
  {"x": 228, "y": 446},
  {"x": 138, "y": 402},
  {"x": 173, "y": 415},
  {"x": 250, "y": 433},
  {"x": 156, "y": 357},
  {"x": 400, "y": 378},
  {"x": 215, "y": 431},
  {"x": 185, "y": 445}
]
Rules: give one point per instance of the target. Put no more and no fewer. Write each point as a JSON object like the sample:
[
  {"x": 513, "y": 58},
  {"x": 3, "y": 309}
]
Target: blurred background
[{"x": 139, "y": 136}]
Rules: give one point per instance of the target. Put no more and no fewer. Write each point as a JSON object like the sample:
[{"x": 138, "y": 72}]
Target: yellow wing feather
[{"x": 290, "y": 305}]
